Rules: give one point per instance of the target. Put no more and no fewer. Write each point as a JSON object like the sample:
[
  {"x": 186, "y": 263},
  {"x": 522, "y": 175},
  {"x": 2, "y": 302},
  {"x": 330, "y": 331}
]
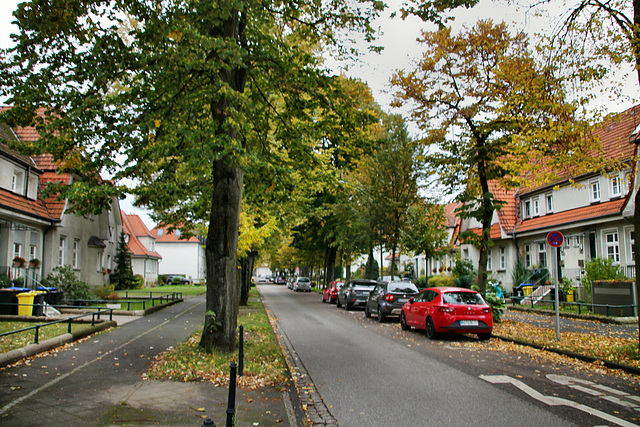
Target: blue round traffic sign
[{"x": 555, "y": 239}]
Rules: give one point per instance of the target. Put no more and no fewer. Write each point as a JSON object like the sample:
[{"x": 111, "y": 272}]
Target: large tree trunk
[
  {"x": 221, "y": 316},
  {"x": 246, "y": 268},
  {"x": 221, "y": 252},
  {"x": 330, "y": 266}
]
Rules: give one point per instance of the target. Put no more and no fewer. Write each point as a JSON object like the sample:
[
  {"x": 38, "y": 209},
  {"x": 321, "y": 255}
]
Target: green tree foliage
[
  {"x": 183, "y": 97},
  {"x": 122, "y": 277},
  {"x": 601, "y": 269},
  {"x": 425, "y": 231},
  {"x": 509, "y": 113}
]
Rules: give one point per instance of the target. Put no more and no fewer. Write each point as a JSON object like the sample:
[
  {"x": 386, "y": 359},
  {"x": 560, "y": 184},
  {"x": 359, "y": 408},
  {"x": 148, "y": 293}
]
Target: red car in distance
[
  {"x": 330, "y": 294},
  {"x": 444, "y": 310}
]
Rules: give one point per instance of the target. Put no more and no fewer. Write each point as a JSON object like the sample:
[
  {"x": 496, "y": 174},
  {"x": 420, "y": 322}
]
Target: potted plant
[
  {"x": 18, "y": 262},
  {"x": 34, "y": 263}
]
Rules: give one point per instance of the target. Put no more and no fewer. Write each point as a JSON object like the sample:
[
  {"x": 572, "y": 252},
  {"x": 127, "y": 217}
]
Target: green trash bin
[{"x": 25, "y": 303}]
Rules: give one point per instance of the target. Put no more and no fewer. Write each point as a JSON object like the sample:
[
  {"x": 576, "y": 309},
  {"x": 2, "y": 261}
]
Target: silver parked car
[
  {"x": 302, "y": 284},
  {"x": 355, "y": 292}
]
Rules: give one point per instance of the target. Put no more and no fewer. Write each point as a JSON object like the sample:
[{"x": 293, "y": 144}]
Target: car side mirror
[{"x": 410, "y": 301}]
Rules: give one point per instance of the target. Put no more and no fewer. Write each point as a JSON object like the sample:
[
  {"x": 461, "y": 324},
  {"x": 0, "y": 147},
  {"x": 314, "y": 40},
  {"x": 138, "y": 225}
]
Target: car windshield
[
  {"x": 402, "y": 287},
  {"x": 462, "y": 298}
]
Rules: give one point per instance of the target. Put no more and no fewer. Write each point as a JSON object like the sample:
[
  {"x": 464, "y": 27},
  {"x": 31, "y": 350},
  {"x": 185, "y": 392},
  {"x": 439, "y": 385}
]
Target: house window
[
  {"x": 613, "y": 248},
  {"x": 160, "y": 232},
  {"x": 99, "y": 261},
  {"x": 549, "y": 203},
  {"x": 542, "y": 254},
  {"x": 108, "y": 262},
  {"x": 526, "y": 210},
  {"x": 489, "y": 260},
  {"x": 33, "y": 253},
  {"x": 16, "y": 181},
  {"x": 17, "y": 250},
  {"x": 595, "y": 191},
  {"x": 632, "y": 250},
  {"x": 76, "y": 253},
  {"x": 177, "y": 233},
  {"x": 536, "y": 207},
  {"x": 503, "y": 259},
  {"x": 527, "y": 255},
  {"x": 61, "y": 250},
  {"x": 616, "y": 186},
  {"x": 577, "y": 241}
]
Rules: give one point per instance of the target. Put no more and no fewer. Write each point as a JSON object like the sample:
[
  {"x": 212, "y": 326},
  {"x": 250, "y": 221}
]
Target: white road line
[
  {"x": 555, "y": 401},
  {"x": 90, "y": 362},
  {"x": 573, "y": 383}
]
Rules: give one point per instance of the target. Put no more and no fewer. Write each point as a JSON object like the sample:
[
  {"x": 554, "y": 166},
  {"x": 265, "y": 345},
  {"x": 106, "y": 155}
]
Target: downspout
[{"x": 515, "y": 224}]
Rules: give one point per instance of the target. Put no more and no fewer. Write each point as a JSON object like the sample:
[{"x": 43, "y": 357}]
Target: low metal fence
[
  {"x": 36, "y": 328},
  {"x": 147, "y": 302},
  {"x": 582, "y": 306}
]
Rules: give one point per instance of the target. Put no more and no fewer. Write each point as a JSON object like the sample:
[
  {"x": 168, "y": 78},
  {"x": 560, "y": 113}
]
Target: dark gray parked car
[
  {"x": 387, "y": 299},
  {"x": 355, "y": 292}
]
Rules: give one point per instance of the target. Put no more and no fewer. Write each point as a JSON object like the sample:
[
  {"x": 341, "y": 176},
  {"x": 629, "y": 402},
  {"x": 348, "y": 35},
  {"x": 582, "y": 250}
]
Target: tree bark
[{"x": 221, "y": 253}]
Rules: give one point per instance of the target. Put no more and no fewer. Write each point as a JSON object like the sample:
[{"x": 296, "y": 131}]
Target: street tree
[
  {"x": 426, "y": 230},
  {"x": 179, "y": 97},
  {"x": 490, "y": 111}
]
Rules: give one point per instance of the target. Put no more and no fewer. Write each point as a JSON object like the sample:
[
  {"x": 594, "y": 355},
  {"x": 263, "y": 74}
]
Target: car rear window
[
  {"x": 303, "y": 279},
  {"x": 470, "y": 298},
  {"x": 402, "y": 287}
]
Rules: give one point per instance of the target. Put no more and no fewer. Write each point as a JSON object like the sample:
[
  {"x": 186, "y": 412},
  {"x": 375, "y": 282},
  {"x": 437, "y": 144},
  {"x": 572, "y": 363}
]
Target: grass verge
[
  {"x": 264, "y": 363},
  {"x": 23, "y": 339}
]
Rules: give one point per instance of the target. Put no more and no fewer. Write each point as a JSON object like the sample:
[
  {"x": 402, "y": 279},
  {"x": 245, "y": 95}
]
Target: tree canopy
[{"x": 182, "y": 98}]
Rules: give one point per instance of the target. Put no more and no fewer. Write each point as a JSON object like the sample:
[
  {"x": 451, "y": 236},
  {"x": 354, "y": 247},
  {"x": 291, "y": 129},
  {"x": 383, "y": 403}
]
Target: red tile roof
[
  {"x": 134, "y": 227},
  {"x": 167, "y": 237},
  {"x": 18, "y": 203},
  {"x": 581, "y": 214}
]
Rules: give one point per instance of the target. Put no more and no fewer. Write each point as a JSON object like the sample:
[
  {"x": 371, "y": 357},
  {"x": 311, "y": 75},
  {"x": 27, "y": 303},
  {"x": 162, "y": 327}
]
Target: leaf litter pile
[{"x": 264, "y": 364}]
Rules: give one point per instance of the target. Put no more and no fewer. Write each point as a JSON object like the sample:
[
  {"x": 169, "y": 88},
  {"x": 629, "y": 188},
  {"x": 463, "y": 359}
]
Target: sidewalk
[{"x": 99, "y": 382}]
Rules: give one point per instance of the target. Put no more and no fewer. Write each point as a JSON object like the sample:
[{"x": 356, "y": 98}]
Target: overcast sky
[{"x": 401, "y": 49}]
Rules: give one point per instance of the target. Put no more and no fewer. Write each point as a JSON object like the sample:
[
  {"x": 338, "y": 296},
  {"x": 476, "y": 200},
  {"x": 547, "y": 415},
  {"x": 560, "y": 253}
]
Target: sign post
[{"x": 555, "y": 240}]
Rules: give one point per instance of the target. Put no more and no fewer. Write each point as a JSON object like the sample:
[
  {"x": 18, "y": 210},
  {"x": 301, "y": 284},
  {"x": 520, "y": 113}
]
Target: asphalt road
[{"x": 374, "y": 374}]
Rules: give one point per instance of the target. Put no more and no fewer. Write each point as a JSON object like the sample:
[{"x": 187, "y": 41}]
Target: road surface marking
[
  {"x": 578, "y": 384},
  {"x": 555, "y": 401}
]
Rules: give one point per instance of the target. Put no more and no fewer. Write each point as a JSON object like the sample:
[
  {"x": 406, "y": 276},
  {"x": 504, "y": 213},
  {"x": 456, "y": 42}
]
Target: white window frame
[
  {"x": 536, "y": 207},
  {"x": 489, "y": 259},
  {"x": 527, "y": 256},
  {"x": 503, "y": 258},
  {"x": 16, "y": 182},
  {"x": 33, "y": 252},
  {"x": 526, "y": 209},
  {"x": 542, "y": 254},
  {"x": 76, "y": 254},
  {"x": 549, "y": 201},
  {"x": 62, "y": 250},
  {"x": 17, "y": 250},
  {"x": 594, "y": 191},
  {"x": 99, "y": 261},
  {"x": 612, "y": 247},
  {"x": 629, "y": 242},
  {"x": 616, "y": 186}
]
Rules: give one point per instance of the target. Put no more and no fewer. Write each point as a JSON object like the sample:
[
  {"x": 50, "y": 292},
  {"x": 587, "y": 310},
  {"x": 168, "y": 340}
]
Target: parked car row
[{"x": 435, "y": 310}]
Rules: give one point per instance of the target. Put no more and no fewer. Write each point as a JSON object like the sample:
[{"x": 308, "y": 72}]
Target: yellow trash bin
[
  {"x": 527, "y": 290},
  {"x": 25, "y": 301},
  {"x": 570, "y": 296}
]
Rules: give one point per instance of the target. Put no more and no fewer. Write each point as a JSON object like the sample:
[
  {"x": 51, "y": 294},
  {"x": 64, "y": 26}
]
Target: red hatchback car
[
  {"x": 330, "y": 294},
  {"x": 442, "y": 310}
]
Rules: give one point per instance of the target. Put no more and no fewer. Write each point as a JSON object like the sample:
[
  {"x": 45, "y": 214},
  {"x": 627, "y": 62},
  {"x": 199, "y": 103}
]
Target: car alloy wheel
[
  {"x": 431, "y": 329},
  {"x": 403, "y": 323},
  {"x": 381, "y": 315},
  {"x": 367, "y": 313},
  {"x": 338, "y": 303}
]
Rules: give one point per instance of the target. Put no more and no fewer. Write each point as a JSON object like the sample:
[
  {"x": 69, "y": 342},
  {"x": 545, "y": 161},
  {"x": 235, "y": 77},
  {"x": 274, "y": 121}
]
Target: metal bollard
[
  {"x": 231, "y": 403},
  {"x": 208, "y": 423},
  {"x": 241, "y": 352}
]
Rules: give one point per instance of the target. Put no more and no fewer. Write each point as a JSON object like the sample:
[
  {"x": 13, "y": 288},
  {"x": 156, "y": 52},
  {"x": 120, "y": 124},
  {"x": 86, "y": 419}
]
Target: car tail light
[
  {"x": 446, "y": 309},
  {"x": 389, "y": 297},
  {"x": 486, "y": 310}
]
